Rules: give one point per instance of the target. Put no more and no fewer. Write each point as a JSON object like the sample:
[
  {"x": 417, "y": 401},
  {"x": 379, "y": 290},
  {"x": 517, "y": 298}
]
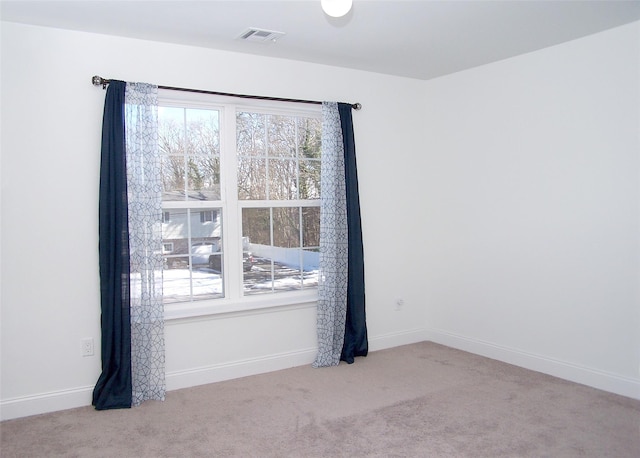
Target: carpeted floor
[{"x": 421, "y": 400}]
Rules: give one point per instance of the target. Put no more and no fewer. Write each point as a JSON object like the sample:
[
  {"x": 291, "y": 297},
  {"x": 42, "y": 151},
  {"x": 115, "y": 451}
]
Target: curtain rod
[{"x": 99, "y": 81}]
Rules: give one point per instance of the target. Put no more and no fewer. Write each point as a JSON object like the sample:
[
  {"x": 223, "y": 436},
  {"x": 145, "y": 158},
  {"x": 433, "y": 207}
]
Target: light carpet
[{"x": 420, "y": 400}]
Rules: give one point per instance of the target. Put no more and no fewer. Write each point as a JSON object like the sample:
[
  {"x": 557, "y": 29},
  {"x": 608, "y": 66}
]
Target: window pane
[
  {"x": 256, "y": 231},
  {"x": 251, "y": 134},
  {"x": 203, "y": 178},
  {"x": 282, "y": 136},
  {"x": 252, "y": 178},
  {"x": 256, "y": 225},
  {"x": 292, "y": 168},
  {"x": 309, "y": 138},
  {"x": 311, "y": 227},
  {"x": 192, "y": 242},
  {"x": 203, "y": 132},
  {"x": 171, "y": 130},
  {"x": 286, "y": 227},
  {"x": 309, "y": 179},
  {"x": 283, "y": 179},
  {"x": 190, "y": 141},
  {"x": 282, "y": 265},
  {"x": 173, "y": 174}
]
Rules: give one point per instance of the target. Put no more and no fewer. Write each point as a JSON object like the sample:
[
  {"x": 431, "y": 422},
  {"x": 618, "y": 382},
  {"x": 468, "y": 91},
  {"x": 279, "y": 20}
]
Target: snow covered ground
[{"x": 205, "y": 283}]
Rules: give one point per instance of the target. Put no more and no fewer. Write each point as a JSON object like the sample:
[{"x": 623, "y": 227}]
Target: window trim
[{"x": 235, "y": 302}]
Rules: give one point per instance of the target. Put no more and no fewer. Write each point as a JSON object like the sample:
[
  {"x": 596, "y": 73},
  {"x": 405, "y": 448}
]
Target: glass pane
[
  {"x": 190, "y": 141},
  {"x": 252, "y": 178},
  {"x": 171, "y": 130},
  {"x": 311, "y": 267},
  {"x": 257, "y": 250},
  {"x": 309, "y": 138},
  {"x": 283, "y": 179},
  {"x": 256, "y": 226},
  {"x": 192, "y": 241},
  {"x": 286, "y": 227},
  {"x": 282, "y": 265},
  {"x": 309, "y": 179},
  {"x": 311, "y": 227},
  {"x": 203, "y": 132},
  {"x": 251, "y": 134},
  {"x": 173, "y": 178},
  {"x": 203, "y": 178},
  {"x": 311, "y": 242},
  {"x": 282, "y": 136}
]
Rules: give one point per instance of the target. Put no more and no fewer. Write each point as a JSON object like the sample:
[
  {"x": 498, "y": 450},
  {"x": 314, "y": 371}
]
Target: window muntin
[{"x": 227, "y": 160}]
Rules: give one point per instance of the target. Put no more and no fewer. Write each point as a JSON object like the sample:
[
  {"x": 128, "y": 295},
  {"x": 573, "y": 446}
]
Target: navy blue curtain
[
  {"x": 355, "y": 332},
  {"x": 113, "y": 388}
]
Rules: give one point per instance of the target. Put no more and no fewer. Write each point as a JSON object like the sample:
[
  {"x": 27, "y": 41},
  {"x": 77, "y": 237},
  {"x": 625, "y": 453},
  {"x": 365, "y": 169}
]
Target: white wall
[
  {"x": 532, "y": 208},
  {"x": 51, "y": 122},
  {"x": 500, "y": 203}
]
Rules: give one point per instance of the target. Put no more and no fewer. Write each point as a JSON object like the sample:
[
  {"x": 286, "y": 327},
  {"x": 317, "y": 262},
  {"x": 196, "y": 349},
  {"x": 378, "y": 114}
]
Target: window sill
[{"x": 254, "y": 305}]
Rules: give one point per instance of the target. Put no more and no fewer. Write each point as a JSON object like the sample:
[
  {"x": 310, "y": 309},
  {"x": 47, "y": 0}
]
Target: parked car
[
  {"x": 215, "y": 261},
  {"x": 201, "y": 252}
]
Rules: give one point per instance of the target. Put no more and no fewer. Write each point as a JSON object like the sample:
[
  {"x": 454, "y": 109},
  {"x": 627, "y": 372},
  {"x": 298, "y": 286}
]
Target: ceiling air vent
[{"x": 260, "y": 35}]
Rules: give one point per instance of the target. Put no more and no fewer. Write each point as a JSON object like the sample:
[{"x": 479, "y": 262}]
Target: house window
[
  {"x": 241, "y": 190},
  {"x": 207, "y": 216}
]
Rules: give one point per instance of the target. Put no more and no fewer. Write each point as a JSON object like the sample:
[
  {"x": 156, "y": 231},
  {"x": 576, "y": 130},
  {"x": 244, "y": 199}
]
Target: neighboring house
[
  {"x": 204, "y": 225},
  {"x": 205, "y": 228}
]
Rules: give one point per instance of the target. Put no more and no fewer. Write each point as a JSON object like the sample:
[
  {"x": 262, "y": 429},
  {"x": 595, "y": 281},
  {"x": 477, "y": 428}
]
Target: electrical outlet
[{"x": 87, "y": 347}]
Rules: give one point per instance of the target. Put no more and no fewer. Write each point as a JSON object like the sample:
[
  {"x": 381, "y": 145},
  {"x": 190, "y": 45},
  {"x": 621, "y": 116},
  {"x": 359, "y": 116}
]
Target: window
[
  {"x": 207, "y": 216},
  {"x": 241, "y": 190}
]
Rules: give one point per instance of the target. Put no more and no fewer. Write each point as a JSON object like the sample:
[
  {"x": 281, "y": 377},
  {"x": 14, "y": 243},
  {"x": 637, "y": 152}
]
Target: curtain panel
[
  {"x": 130, "y": 250},
  {"x": 113, "y": 388},
  {"x": 341, "y": 320},
  {"x": 144, "y": 194}
]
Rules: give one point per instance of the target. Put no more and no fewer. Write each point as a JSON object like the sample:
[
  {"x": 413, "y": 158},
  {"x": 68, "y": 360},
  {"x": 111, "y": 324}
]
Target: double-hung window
[{"x": 240, "y": 197}]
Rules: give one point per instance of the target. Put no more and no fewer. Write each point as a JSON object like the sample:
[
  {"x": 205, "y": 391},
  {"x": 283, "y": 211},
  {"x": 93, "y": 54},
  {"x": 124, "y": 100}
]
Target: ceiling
[{"x": 419, "y": 39}]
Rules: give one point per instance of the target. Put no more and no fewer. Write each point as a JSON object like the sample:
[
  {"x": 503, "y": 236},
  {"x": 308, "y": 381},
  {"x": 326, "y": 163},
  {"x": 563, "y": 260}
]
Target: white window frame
[{"x": 234, "y": 301}]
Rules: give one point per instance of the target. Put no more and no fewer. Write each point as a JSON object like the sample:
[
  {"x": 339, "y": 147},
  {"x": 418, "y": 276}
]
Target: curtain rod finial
[
  {"x": 98, "y": 80},
  {"x": 356, "y": 106}
]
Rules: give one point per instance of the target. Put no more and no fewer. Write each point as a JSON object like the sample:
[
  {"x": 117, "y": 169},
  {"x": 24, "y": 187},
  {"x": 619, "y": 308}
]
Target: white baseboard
[
  {"x": 236, "y": 369},
  {"x": 26, "y": 406},
  {"x": 613, "y": 383},
  {"x": 396, "y": 339}
]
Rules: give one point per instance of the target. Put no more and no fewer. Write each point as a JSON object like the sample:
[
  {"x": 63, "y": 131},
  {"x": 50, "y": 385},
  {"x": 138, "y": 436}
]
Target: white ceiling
[{"x": 419, "y": 38}]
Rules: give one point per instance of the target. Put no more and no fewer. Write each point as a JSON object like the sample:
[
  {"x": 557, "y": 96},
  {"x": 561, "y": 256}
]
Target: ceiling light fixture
[{"x": 336, "y": 8}]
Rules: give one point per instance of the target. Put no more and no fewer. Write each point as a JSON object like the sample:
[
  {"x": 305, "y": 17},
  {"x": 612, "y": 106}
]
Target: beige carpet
[{"x": 421, "y": 400}]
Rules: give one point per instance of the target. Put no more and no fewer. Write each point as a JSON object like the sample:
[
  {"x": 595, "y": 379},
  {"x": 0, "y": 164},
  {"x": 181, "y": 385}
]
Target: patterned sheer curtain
[
  {"x": 341, "y": 322},
  {"x": 144, "y": 195},
  {"x": 132, "y": 323}
]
